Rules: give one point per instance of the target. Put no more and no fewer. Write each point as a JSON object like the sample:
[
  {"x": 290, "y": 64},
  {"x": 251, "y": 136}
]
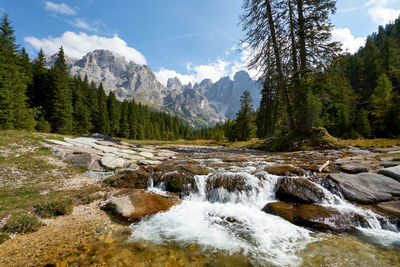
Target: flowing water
[{"x": 231, "y": 223}]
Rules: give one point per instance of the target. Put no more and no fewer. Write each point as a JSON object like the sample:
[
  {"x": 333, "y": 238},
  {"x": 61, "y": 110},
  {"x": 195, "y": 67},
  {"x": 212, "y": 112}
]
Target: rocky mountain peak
[{"x": 174, "y": 84}]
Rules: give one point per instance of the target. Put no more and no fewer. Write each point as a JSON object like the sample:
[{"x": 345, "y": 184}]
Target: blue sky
[{"x": 191, "y": 39}]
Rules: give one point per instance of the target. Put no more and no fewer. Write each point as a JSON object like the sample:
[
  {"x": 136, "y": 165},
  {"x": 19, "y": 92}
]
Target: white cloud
[
  {"x": 214, "y": 70},
  {"x": 78, "y": 44},
  {"x": 59, "y": 8},
  {"x": 163, "y": 75},
  {"x": 382, "y": 15},
  {"x": 82, "y": 24},
  {"x": 349, "y": 42}
]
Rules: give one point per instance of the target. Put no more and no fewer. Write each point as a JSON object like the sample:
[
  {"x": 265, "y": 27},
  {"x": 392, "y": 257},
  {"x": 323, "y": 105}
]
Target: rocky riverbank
[{"x": 173, "y": 196}]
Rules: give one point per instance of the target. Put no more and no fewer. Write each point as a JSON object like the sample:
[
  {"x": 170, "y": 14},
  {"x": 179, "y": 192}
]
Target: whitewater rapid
[{"x": 235, "y": 223}]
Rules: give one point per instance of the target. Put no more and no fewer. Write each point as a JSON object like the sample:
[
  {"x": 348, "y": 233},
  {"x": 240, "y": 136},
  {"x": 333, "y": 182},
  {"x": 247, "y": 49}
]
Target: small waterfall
[{"x": 224, "y": 213}]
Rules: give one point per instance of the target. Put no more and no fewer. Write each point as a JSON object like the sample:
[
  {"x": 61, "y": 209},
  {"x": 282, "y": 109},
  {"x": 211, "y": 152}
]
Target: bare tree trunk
[
  {"x": 282, "y": 81},
  {"x": 292, "y": 37},
  {"x": 302, "y": 35}
]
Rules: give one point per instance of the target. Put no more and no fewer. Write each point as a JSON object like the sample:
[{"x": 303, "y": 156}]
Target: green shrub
[
  {"x": 22, "y": 223},
  {"x": 57, "y": 207},
  {"x": 4, "y": 237}
]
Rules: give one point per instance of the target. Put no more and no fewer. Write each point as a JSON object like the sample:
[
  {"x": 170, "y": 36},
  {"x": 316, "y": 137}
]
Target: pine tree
[
  {"x": 14, "y": 111},
  {"x": 61, "y": 111},
  {"x": 124, "y": 125},
  {"x": 81, "y": 116},
  {"x": 102, "y": 123},
  {"x": 114, "y": 114},
  {"x": 381, "y": 101},
  {"x": 243, "y": 121}
]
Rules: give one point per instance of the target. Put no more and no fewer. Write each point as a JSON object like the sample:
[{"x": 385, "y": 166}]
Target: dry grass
[{"x": 377, "y": 143}]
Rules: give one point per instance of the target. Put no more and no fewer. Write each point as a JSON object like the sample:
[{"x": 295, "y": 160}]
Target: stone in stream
[
  {"x": 133, "y": 204},
  {"x": 392, "y": 172},
  {"x": 366, "y": 188},
  {"x": 112, "y": 162},
  {"x": 298, "y": 191},
  {"x": 80, "y": 159},
  {"x": 391, "y": 208},
  {"x": 285, "y": 170},
  {"x": 231, "y": 183},
  {"x": 316, "y": 217},
  {"x": 354, "y": 165},
  {"x": 138, "y": 179}
]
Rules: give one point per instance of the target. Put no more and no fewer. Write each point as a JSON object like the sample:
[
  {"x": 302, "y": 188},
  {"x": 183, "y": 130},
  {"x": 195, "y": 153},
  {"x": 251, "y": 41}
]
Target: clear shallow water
[{"x": 232, "y": 222}]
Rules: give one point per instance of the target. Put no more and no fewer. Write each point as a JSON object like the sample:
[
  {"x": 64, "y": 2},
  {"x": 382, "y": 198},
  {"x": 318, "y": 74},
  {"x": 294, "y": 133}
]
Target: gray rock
[
  {"x": 366, "y": 188},
  {"x": 99, "y": 176},
  {"x": 112, "y": 162},
  {"x": 149, "y": 162},
  {"x": 389, "y": 163},
  {"x": 58, "y": 152},
  {"x": 58, "y": 142},
  {"x": 298, "y": 191},
  {"x": 98, "y": 135},
  {"x": 353, "y": 168},
  {"x": 80, "y": 159},
  {"x": 146, "y": 154},
  {"x": 393, "y": 172}
]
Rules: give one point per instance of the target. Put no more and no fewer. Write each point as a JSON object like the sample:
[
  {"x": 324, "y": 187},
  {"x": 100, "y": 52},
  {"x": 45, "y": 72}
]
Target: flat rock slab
[
  {"x": 146, "y": 154},
  {"x": 112, "y": 162},
  {"x": 366, "y": 188},
  {"x": 389, "y": 163},
  {"x": 99, "y": 176},
  {"x": 149, "y": 162},
  {"x": 386, "y": 149},
  {"x": 391, "y": 207},
  {"x": 353, "y": 168},
  {"x": 80, "y": 159},
  {"x": 133, "y": 204},
  {"x": 58, "y": 142},
  {"x": 393, "y": 172}
]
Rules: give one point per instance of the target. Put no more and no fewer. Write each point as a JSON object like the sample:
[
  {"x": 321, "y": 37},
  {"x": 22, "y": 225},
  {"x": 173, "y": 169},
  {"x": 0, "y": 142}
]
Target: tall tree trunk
[
  {"x": 302, "y": 36},
  {"x": 292, "y": 37},
  {"x": 282, "y": 81}
]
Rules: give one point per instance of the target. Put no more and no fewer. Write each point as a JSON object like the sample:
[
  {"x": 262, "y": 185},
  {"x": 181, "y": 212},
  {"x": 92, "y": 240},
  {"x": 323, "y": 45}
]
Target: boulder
[
  {"x": 112, "y": 162},
  {"x": 316, "y": 217},
  {"x": 285, "y": 170},
  {"x": 196, "y": 169},
  {"x": 138, "y": 179},
  {"x": 353, "y": 168},
  {"x": 298, "y": 191},
  {"x": 79, "y": 159},
  {"x": 392, "y": 208},
  {"x": 392, "y": 172},
  {"x": 98, "y": 175},
  {"x": 130, "y": 205},
  {"x": 231, "y": 183},
  {"x": 179, "y": 183},
  {"x": 366, "y": 188},
  {"x": 58, "y": 152}
]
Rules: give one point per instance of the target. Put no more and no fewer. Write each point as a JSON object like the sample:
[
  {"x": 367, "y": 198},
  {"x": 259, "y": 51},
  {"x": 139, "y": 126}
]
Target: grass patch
[
  {"x": 54, "y": 208},
  {"x": 4, "y": 237},
  {"x": 376, "y": 143},
  {"x": 22, "y": 223}
]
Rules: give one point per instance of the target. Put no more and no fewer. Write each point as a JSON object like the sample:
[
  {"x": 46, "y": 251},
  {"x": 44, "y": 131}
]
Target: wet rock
[
  {"x": 138, "y": 179},
  {"x": 316, "y": 217},
  {"x": 391, "y": 208},
  {"x": 133, "y": 204},
  {"x": 393, "y": 172},
  {"x": 80, "y": 159},
  {"x": 285, "y": 170},
  {"x": 385, "y": 163},
  {"x": 112, "y": 162},
  {"x": 179, "y": 183},
  {"x": 232, "y": 183},
  {"x": 366, "y": 188},
  {"x": 356, "y": 164},
  {"x": 196, "y": 169},
  {"x": 298, "y": 191}
]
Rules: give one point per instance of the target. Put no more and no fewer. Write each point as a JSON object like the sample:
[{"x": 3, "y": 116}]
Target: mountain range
[{"x": 201, "y": 104}]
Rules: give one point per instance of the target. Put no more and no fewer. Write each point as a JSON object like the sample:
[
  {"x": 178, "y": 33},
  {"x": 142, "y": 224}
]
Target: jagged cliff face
[{"x": 204, "y": 103}]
